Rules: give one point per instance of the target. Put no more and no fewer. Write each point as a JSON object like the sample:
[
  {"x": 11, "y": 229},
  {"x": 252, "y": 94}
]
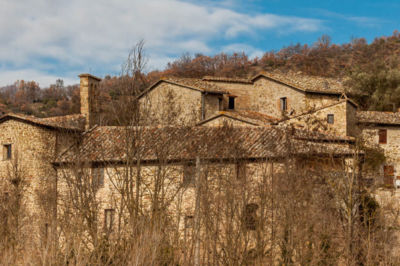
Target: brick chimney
[{"x": 89, "y": 86}]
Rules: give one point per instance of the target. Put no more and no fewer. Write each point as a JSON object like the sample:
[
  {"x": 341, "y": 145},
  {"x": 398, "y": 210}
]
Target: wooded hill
[{"x": 370, "y": 72}]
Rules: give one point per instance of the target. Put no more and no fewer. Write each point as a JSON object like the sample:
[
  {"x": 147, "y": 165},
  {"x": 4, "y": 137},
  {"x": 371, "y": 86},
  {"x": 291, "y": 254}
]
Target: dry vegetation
[
  {"x": 291, "y": 214},
  {"x": 370, "y": 71},
  {"x": 286, "y": 212}
]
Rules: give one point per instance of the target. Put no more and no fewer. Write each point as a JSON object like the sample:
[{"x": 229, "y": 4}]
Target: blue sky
[{"x": 44, "y": 40}]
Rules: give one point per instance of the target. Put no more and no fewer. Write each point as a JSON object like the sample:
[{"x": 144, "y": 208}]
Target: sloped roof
[
  {"x": 109, "y": 144},
  {"x": 310, "y": 84},
  {"x": 225, "y": 79},
  {"x": 74, "y": 122},
  {"x": 376, "y": 117},
  {"x": 250, "y": 117},
  {"x": 190, "y": 83}
]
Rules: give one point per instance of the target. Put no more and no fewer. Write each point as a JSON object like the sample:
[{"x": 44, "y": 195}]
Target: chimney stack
[{"x": 89, "y": 90}]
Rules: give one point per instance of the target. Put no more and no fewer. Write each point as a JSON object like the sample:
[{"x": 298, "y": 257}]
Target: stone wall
[
  {"x": 317, "y": 121},
  {"x": 211, "y": 105},
  {"x": 315, "y": 101},
  {"x": 89, "y": 96},
  {"x": 32, "y": 149},
  {"x": 169, "y": 104},
  {"x": 180, "y": 197},
  {"x": 267, "y": 94},
  {"x": 391, "y": 148},
  {"x": 242, "y": 91}
]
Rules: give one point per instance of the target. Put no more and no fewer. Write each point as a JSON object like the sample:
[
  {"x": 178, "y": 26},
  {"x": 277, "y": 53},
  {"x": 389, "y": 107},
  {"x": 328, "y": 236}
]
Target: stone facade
[
  {"x": 173, "y": 104},
  {"x": 89, "y": 90},
  {"x": 337, "y": 118},
  {"x": 248, "y": 104}
]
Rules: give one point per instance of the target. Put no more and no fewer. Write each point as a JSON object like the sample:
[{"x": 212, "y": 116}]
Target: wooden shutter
[
  {"x": 388, "y": 170},
  {"x": 388, "y": 174},
  {"x": 382, "y": 136}
]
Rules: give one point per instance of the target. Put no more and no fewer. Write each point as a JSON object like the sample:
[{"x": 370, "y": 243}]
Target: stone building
[{"x": 269, "y": 117}]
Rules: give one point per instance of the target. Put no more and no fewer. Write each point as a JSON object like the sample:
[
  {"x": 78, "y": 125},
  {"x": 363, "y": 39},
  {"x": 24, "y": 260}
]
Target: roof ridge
[
  {"x": 227, "y": 79},
  {"x": 285, "y": 80}
]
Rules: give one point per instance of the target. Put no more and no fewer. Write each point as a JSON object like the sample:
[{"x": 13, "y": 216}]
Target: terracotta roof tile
[
  {"x": 225, "y": 79},
  {"x": 376, "y": 117},
  {"x": 197, "y": 84},
  {"x": 68, "y": 122},
  {"x": 108, "y": 144},
  {"x": 306, "y": 83}
]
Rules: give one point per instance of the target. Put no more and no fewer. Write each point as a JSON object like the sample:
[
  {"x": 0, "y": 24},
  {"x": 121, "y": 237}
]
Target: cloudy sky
[{"x": 44, "y": 40}]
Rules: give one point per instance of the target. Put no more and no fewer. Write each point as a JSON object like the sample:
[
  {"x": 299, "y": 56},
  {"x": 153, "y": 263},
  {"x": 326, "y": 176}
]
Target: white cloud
[
  {"x": 44, "y": 79},
  {"x": 48, "y": 36},
  {"x": 251, "y": 51}
]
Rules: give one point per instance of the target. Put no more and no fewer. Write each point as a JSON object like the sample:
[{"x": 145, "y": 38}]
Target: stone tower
[{"x": 89, "y": 90}]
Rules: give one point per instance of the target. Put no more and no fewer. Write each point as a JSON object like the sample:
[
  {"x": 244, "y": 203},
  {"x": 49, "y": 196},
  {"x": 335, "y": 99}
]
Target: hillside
[{"x": 370, "y": 72}]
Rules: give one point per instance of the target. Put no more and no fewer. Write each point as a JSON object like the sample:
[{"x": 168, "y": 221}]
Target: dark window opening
[
  {"x": 7, "y": 152},
  {"x": 98, "y": 177},
  {"x": 231, "y": 105},
  {"x": 108, "y": 219},
  {"x": 331, "y": 119},
  {"x": 283, "y": 102},
  {"x": 189, "y": 175},
  {"x": 189, "y": 221},
  {"x": 250, "y": 216},
  {"x": 382, "y": 136}
]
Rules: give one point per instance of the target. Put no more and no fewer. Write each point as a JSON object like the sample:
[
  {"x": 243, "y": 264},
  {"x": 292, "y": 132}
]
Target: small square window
[
  {"x": 189, "y": 221},
  {"x": 231, "y": 105},
  {"x": 331, "y": 119},
  {"x": 7, "y": 152},
  {"x": 283, "y": 103}
]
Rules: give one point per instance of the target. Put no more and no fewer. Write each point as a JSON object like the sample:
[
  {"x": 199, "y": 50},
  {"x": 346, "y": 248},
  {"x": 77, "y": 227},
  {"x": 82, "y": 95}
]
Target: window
[
  {"x": 283, "y": 103},
  {"x": 108, "y": 219},
  {"x": 382, "y": 136},
  {"x": 189, "y": 174},
  {"x": 98, "y": 177},
  {"x": 189, "y": 221},
  {"x": 388, "y": 175},
  {"x": 250, "y": 216},
  {"x": 231, "y": 105},
  {"x": 7, "y": 152},
  {"x": 331, "y": 118}
]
